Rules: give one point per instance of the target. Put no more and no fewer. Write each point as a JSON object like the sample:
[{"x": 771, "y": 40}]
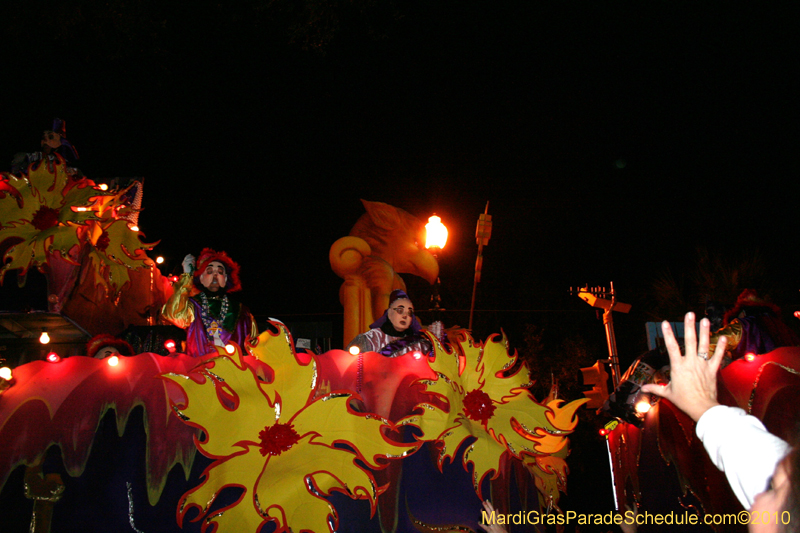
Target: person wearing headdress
[
  {"x": 202, "y": 305},
  {"x": 754, "y": 326},
  {"x": 396, "y": 332},
  {"x": 54, "y": 142},
  {"x": 105, "y": 345}
]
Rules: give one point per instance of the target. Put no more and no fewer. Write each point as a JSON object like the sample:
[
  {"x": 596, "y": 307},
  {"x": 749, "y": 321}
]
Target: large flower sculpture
[
  {"x": 46, "y": 213},
  {"x": 283, "y": 448},
  {"x": 496, "y": 410}
]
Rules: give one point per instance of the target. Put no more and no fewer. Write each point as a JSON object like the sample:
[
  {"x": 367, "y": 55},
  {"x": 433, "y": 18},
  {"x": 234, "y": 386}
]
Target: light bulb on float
[
  {"x": 642, "y": 406},
  {"x": 435, "y": 233}
]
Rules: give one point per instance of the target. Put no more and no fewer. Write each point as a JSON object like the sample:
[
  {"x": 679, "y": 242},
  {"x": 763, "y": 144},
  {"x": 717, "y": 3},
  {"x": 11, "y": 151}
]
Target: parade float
[
  {"x": 659, "y": 465},
  {"x": 260, "y": 436}
]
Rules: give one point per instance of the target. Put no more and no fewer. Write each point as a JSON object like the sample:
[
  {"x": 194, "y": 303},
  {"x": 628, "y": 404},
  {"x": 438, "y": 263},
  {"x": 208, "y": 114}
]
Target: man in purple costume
[{"x": 202, "y": 306}]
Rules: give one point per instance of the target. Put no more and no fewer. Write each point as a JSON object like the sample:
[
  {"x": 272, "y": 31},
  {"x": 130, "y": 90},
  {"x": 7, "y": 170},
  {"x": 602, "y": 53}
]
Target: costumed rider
[
  {"x": 753, "y": 326},
  {"x": 202, "y": 306},
  {"x": 54, "y": 142},
  {"x": 396, "y": 332},
  {"x": 105, "y": 345}
]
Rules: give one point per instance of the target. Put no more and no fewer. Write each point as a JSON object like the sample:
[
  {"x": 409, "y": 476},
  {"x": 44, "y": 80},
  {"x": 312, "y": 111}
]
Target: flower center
[
  {"x": 277, "y": 439},
  {"x": 103, "y": 241},
  {"x": 478, "y": 406},
  {"x": 45, "y": 218}
]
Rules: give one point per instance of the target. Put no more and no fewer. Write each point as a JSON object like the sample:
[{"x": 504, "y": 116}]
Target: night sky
[{"x": 609, "y": 138}]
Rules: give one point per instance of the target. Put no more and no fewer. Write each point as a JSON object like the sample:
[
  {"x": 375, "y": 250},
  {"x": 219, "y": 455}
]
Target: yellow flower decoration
[
  {"x": 285, "y": 449},
  {"x": 115, "y": 250},
  {"x": 41, "y": 216},
  {"x": 497, "y": 410},
  {"x": 47, "y": 212},
  {"x": 549, "y": 474}
]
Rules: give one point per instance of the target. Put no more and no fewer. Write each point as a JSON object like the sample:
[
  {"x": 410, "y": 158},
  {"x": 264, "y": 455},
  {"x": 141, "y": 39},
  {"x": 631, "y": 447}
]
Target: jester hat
[{"x": 231, "y": 268}]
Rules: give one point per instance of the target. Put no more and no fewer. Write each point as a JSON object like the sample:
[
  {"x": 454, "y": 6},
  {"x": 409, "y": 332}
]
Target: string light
[
  {"x": 749, "y": 357},
  {"x": 169, "y": 344},
  {"x": 230, "y": 348},
  {"x": 354, "y": 350},
  {"x": 44, "y": 338},
  {"x": 6, "y": 373},
  {"x": 53, "y": 357},
  {"x": 113, "y": 360}
]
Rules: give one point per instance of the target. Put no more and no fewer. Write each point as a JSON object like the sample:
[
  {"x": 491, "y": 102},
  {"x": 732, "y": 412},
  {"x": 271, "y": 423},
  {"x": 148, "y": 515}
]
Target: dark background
[{"x": 652, "y": 145}]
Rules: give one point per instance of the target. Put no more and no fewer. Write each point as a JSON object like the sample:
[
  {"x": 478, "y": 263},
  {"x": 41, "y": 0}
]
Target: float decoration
[
  {"x": 47, "y": 214},
  {"x": 385, "y": 242},
  {"x": 498, "y": 412},
  {"x": 116, "y": 250},
  {"x": 61, "y": 404},
  {"x": 285, "y": 450}
]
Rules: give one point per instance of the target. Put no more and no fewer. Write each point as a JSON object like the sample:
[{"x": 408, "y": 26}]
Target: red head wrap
[
  {"x": 104, "y": 339},
  {"x": 749, "y": 298},
  {"x": 231, "y": 268}
]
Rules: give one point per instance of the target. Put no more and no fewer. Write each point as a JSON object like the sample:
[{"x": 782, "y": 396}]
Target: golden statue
[{"x": 383, "y": 243}]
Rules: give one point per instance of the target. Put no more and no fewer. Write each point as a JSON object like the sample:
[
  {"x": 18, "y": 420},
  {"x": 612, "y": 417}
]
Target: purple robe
[{"x": 197, "y": 341}]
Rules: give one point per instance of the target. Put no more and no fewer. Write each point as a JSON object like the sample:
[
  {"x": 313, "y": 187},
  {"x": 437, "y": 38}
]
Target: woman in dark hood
[{"x": 396, "y": 332}]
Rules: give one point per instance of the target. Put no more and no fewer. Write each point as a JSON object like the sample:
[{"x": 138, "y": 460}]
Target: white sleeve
[{"x": 739, "y": 445}]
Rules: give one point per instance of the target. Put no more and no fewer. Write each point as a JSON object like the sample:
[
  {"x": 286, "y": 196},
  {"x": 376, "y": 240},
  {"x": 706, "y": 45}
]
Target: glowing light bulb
[
  {"x": 113, "y": 360},
  {"x": 603, "y": 431},
  {"x": 53, "y": 357},
  {"x": 416, "y": 354},
  {"x": 133, "y": 227},
  {"x": 435, "y": 233},
  {"x": 643, "y": 406},
  {"x": 230, "y": 348},
  {"x": 354, "y": 350},
  {"x": 44, "y": 338},
  {"x": 103, "y": 187},
  {"x": 159, "y": 259},
  {"x": 749, "y": 357},
  {"x": 169, "y": 344},
  {"x": 6, "y": 373}
]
